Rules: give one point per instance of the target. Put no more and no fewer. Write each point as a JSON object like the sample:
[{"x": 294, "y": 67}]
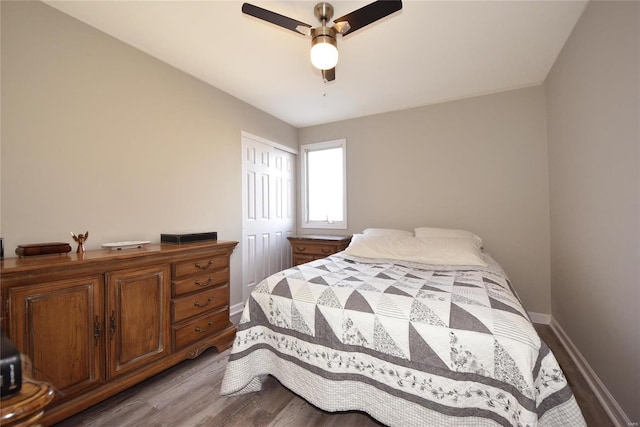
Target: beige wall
[
  {"x": 593, "y": 96},
  {"x": 478, "y": 164},
  {"x": 99, "y": 136}
]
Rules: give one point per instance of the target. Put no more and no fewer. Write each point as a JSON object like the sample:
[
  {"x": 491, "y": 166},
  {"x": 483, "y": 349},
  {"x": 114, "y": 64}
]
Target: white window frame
[{"x": 305, "y": 149}]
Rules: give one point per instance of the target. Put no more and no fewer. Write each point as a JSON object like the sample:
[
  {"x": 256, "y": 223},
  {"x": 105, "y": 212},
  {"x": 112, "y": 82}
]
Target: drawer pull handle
[
  {"x": 301, "y": 248},
  {"x": 207, "y": 283},
  {"x": 96, "y": 330},
  {"x": 112, "y": 323},
  {"x": 205, "y": 266},
  {"x": 198, "y": 329},
  {"x": 326, "y": 250},
  {"x": 197, "y": 303}
]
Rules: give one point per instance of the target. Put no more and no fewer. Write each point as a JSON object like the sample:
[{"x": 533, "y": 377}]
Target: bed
[{"x": 414, "y": 329}]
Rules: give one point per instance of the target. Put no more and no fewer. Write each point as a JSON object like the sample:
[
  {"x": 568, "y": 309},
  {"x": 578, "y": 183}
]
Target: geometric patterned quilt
[{"x": 410, "y": 344}]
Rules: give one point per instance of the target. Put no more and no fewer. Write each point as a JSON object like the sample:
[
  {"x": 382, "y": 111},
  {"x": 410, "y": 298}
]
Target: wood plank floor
[{"x": 188, "y": 395}]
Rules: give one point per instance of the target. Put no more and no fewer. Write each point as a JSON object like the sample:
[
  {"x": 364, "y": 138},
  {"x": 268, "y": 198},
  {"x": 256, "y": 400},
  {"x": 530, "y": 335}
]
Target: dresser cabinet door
[
  {"x": 59, "y": 326},
  {"x": 137, "y": 318}
]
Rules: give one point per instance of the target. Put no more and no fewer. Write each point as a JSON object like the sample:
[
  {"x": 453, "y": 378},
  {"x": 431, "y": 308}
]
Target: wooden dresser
[
  {"x": 311, "y": 247},
  {"x": 94, "y": 324}
]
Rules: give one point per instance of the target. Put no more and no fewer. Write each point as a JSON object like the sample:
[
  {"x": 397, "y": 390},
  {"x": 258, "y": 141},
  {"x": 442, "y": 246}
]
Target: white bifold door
[{"x": 268, "y": 209}]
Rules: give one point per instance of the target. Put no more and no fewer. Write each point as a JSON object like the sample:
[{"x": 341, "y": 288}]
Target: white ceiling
[{"x": 429, "y": 52}]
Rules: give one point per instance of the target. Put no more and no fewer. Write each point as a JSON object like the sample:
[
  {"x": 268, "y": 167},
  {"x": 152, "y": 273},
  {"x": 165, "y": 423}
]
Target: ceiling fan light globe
[{"x": 324, "y": 55}]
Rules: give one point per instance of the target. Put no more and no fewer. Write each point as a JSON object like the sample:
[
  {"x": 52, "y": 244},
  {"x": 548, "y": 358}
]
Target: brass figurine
[{"x": 80, "y": 238}]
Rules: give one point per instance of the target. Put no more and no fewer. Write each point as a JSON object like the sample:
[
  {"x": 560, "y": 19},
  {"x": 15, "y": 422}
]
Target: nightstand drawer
[
  {"x": 199, "y": 283},
  {"x": 304, "y": 248},
  {"x": 202, "y": 266},
  {"x": 303, "y": 259},
  {"x": 199, "y": 328},
  {"x": 192, "y": 305}
]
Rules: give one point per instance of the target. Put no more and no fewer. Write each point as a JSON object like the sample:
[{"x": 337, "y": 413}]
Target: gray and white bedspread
[{"x": 409, "y": 344}]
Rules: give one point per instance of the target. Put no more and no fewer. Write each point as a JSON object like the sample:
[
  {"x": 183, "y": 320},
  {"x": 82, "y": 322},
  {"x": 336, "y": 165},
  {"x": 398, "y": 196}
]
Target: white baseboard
[
  {"x": 541, "y": 318},
  {"x": 236, "y": 309},
  {"x": 615, "y": 412}
]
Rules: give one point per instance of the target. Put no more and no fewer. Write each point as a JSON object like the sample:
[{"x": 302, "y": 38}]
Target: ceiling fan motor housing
[{"x": 323, "y": 35}]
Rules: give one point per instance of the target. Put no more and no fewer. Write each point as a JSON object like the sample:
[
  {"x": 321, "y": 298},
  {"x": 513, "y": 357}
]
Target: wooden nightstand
[{"x": 311, "y": 247}]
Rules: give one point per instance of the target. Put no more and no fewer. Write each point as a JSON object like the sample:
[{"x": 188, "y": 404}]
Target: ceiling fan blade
[
  {"x": 276, "y": 18},
  {"x": 369, "y": 14},
  {"x": 329, "y": 75}
]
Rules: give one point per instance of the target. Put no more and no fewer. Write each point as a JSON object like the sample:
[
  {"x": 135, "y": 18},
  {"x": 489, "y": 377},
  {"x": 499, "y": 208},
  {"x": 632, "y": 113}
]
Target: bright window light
[{"x": 324, "y": 167}]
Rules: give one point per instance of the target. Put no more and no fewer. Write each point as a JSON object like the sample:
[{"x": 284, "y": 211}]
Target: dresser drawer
[
  {"x": 199, "y": 283},
  {"x": 199, "y": 328},
  {"x": 193, "y": 305},
  {"x": 199, "y": 266}
]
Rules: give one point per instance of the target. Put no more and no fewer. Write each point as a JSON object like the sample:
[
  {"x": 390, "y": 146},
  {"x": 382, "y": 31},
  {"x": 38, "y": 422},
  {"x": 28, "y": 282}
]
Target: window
[{"x": 324, "y": 184}]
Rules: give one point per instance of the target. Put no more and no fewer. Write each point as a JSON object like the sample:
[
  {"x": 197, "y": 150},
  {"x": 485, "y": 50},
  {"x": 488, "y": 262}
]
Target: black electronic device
[
  {"x": 10, "y": 367},
  {"x": 188, "y": 238}
]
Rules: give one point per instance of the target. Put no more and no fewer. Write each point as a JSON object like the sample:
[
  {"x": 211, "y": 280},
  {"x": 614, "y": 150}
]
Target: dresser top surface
[{"x": 106, "y": 255}]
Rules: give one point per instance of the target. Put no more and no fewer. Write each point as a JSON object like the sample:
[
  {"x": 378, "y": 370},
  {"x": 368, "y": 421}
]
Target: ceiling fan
[{"x": 324, "y": 46}]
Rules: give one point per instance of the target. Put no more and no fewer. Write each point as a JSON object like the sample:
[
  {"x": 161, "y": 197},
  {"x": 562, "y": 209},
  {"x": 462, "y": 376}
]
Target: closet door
[{"x": 268, "y": 187}]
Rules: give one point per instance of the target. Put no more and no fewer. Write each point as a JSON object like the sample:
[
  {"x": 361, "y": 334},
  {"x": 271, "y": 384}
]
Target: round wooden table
[{"x": 26, "y": 407}]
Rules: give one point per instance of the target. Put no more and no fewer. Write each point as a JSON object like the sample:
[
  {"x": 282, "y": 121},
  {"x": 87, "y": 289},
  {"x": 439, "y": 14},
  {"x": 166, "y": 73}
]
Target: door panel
[
  {"x": 268, "y": 210},
  {"x": 67, "y": 350},
  {"x": 137, "y": 317}
]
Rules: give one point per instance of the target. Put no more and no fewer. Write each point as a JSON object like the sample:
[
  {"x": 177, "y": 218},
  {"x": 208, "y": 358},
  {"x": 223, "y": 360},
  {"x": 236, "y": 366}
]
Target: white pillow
[
  {"x": 384, "y": 247},
  {"x": 453, "y": 251},
  {"x": 432, "y": 232},
  {"x": 387, "y": 232},
  {"x": 424, "y": 251}
]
